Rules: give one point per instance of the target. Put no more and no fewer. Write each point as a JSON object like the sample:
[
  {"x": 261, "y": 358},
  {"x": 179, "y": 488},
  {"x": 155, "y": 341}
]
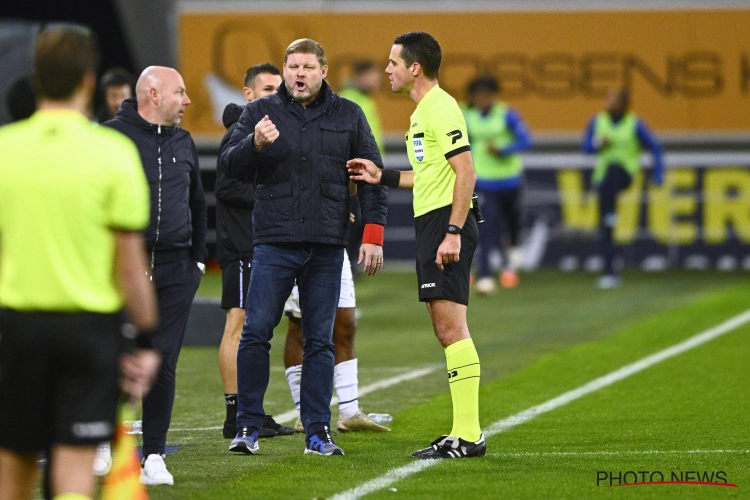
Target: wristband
[
  {"x": 373, "y": 233},
  {"x": 390, "y": 178},
  {"x": 144, "y": 341},
  {"x": 454, "y": 229}
]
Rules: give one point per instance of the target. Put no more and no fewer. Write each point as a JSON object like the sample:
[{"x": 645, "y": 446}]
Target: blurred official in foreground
[{"x": 73, "y": 200}]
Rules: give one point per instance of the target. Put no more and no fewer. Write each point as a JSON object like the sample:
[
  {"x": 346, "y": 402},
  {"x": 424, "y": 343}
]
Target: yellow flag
[{"x": 123, "y": 481}]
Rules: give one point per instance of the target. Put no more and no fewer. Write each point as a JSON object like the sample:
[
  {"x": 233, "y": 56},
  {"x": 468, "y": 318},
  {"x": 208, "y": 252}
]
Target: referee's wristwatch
[{"x": 453, "y": 229}]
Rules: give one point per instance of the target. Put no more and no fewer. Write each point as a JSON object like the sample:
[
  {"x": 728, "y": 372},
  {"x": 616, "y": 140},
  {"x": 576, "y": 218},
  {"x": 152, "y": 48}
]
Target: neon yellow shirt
[
  {"x": 437, "y": 132},
  {"x": 65, "y": 184}
]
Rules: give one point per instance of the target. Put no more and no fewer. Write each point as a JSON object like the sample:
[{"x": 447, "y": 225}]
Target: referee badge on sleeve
[{"x": 418, "y": 143}]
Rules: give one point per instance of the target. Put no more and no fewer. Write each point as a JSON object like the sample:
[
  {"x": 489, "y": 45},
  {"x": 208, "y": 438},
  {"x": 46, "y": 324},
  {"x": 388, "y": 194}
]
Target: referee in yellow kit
[{"x": 443, "y": 180}]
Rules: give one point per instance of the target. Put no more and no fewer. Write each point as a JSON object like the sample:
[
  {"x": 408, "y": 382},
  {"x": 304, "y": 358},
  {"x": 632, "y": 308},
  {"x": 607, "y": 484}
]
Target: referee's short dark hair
[
  {"x": 61, "y": 59},
  {"x": 421, "y": 47},
  {"x": 259, "y": 69}
]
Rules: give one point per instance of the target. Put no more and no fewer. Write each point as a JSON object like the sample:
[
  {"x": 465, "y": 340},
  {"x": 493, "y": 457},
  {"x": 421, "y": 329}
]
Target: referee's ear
[{"x": 416, "y": 69}]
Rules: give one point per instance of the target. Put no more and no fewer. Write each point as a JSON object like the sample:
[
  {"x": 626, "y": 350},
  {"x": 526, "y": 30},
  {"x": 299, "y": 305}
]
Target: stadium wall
[{"x": 688, "y": 70}]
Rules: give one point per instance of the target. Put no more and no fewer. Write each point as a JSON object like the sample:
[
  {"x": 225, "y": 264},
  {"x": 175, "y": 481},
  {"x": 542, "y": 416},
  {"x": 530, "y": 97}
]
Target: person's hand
[
  {"x": 351, "y": 218},
  {"x": 372, "y": 255},
  {"x": 139, "y": 371},
  {"x": 449, "y": 250},
  {"x": 363, "y": 170},
  {"x": 265, "y": 133}
]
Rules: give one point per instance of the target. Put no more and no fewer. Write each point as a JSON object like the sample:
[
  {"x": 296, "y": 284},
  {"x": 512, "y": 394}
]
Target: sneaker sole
[
  {"x": 371, "y": 426},
  {"x": 339, "y": 452},
  {"x": 153, "y": 482},
  {"x": 242, "y": 448}
]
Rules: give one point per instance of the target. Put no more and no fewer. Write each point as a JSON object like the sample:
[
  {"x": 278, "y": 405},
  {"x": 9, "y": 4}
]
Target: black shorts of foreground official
[
  {"x": 59, "y": 378},
  {"x": 453, "y": 282}
]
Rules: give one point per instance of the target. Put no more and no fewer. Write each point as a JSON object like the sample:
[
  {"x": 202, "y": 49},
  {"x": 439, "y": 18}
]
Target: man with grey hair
[
  {"x": 175, "y": 238},
  {"x": 294, "y": 145}
]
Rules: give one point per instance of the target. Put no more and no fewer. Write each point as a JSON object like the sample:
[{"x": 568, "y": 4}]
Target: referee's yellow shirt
[
  {"x": 437, "y": 132},
  {"x": 65, "y": 184}
]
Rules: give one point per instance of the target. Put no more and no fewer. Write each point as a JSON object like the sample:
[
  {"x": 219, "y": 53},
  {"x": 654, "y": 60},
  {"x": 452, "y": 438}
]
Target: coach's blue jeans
[{"x": 317, "y": 269}]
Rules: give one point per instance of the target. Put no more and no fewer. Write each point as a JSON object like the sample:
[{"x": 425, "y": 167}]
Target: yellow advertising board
[{"x": 688, "y": 71}]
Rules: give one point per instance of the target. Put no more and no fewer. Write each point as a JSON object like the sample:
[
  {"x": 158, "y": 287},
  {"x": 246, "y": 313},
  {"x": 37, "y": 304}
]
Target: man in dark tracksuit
[
  {"x": 295, "y": 145},
  {"x": 175, "y": 239}
]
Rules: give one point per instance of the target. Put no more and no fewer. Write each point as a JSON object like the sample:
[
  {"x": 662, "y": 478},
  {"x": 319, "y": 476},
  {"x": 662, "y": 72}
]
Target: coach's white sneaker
[
  {"x": 102, "y": 459},
  {"x": 154, "y": 471}
]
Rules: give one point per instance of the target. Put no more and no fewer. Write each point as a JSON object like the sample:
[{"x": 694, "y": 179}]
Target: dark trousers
[
  {"x": 502, "y": 220},
  {"x": 616, "y": 179},
  {"x": 317, "y": 269},
  {"x": 176, "y": 283}
]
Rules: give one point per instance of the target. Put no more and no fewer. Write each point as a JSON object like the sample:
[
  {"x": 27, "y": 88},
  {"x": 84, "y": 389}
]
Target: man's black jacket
[
  {"x": 178, "y": 204},
  {"x": 234, "y": 204},
  {"x": 301, "y": 181}
]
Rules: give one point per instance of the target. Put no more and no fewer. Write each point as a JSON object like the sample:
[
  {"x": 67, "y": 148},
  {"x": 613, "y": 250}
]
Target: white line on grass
[
  {"x": 367, "y": 389},
  {"x": 399, "y": 473},
  {"x": 628, "y": 452}
]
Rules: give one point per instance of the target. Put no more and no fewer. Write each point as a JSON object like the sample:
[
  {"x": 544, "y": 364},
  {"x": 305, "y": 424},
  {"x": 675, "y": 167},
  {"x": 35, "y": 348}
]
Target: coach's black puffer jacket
[
  {"x": 178, "y": 204},
  {"x": 301, "y": 181}
]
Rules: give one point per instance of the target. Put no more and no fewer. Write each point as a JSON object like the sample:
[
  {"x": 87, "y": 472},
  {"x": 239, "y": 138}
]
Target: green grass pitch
[{"x": 683, "y": 417}]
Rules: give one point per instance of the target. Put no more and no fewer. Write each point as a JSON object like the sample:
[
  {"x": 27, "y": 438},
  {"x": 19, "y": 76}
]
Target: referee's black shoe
[{"x": 452, "y": 447}]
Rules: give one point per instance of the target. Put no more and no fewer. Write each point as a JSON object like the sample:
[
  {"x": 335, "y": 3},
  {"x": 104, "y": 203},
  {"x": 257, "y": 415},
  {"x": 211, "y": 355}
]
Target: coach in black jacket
[
  {"x": 295, "y": 145},
  {"x": 175, "y": 239},
  {"x": 234, "y": 249}
]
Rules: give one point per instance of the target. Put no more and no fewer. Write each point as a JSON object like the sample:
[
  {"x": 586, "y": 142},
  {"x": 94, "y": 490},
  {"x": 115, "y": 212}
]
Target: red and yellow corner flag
[{"x": 123, "y": 481}]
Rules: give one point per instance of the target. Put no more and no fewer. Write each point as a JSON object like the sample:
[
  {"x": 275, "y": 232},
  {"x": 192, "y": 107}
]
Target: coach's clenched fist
[{"x": 265, "y": 133}]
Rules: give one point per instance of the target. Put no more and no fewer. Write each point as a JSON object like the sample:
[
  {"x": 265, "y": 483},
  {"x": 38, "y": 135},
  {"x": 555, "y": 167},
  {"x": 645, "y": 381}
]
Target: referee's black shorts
[
  {"x": 235, "y": 278},
  {"x": 59, "y": 379},
  {"x": 453, "y": 282}
]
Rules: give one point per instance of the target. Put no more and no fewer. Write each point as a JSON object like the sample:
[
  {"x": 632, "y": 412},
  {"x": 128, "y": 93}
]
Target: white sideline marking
[
  {"x": 367, "y": 389},
  {"x": 597, "y": 453},
  {"x": 394, "y": 475}
]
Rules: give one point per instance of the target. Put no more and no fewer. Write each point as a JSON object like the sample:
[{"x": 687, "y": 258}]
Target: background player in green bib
[
  {"x": 616, "y": 135},
  {"x": 497, "y": 134},
  {"x": 443, "y": 180}
]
